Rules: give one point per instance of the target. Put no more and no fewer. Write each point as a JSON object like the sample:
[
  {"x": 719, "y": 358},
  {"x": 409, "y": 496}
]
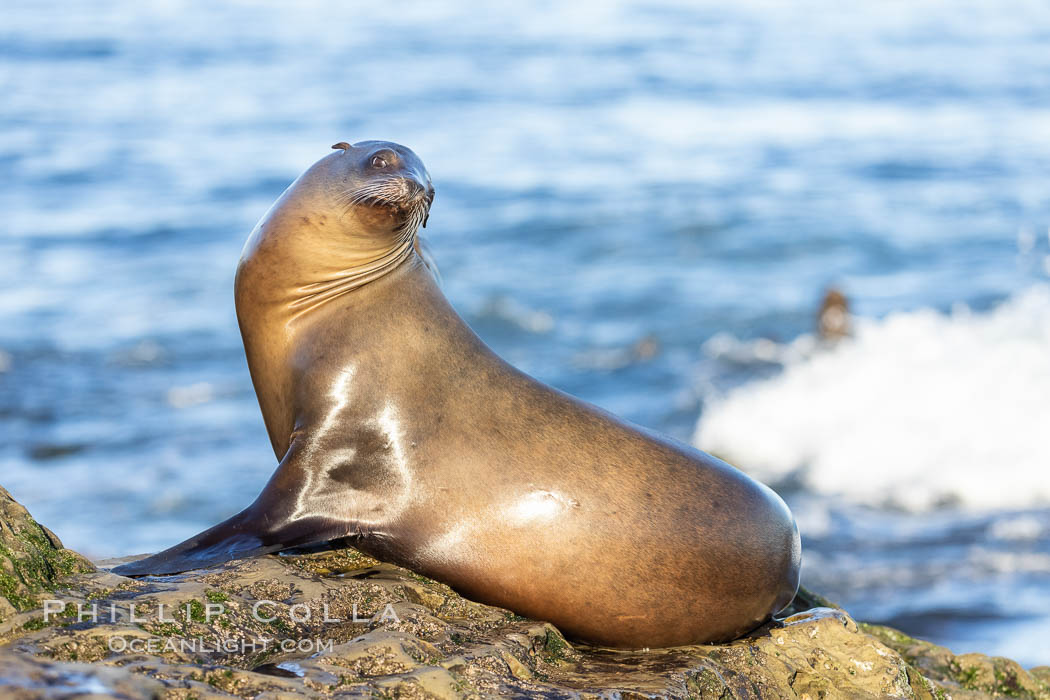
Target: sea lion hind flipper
[
  {"x": 280, "y": 518},
  {"x": 230, "y": 539},
  {"x": 250, "y": 533}
]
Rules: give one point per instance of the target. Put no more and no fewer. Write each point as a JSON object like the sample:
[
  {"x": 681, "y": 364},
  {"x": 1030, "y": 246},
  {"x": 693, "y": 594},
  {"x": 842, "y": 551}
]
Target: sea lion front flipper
[{"x": 274, "y": 522}]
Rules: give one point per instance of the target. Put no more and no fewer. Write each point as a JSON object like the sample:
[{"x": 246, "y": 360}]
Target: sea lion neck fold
[{"x": 304, "y": 272}]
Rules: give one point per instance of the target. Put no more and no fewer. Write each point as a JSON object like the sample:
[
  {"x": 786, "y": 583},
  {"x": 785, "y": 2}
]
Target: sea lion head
[
  {"x": 350, "y": 218},
  {"x": 383, "y": 185},
  {"x": 348, "y": 221}
]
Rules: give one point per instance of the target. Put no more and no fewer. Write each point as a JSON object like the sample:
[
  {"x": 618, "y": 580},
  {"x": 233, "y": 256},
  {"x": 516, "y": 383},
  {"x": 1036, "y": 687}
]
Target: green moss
[
  {"x": 11, "y": 587},
  {"x": 707, "y": 684},
  {"x": 281, "y": 626},
  {"x": 37, "y": 623},
  {"x": 1006, "y": 683},
  {"x": 420, "y": 578},
  {"x": 889, "y": 636},
  {"x": 554, "y": 647},
  {"x": 34, "y": 566},
  {"x": 967, "y": 677},
  {"x": 168, "y": 629},
  {"x": 68, "y": 615},
  {"x": 461, "y": 685},
  {"x": 196, "y": 611},
  {"x": 216, "y": 596}
]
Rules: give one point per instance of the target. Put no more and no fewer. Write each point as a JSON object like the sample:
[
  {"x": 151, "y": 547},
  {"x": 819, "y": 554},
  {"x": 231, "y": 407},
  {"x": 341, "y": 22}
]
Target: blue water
[{"x": 610, "y": 182}]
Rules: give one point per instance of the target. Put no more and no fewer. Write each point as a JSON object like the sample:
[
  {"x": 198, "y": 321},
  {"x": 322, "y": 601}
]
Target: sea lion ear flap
[{"x": 343, "y": 145}]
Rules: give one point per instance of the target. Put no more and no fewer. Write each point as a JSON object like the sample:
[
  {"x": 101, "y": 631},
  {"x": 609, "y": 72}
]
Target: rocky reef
[
  {"x": 339, "y": 623},
  {"x": 32, "y": 559}
]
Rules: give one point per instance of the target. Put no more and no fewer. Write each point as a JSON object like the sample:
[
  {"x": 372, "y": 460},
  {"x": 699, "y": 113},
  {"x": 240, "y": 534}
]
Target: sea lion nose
[{"x": 415, "y": 187}]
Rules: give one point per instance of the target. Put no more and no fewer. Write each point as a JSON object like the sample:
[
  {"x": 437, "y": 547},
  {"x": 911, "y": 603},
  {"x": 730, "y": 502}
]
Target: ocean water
[{"x": 639, "y": 204}]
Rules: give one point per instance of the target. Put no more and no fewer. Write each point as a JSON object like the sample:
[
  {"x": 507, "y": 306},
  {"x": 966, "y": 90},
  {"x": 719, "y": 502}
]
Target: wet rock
[
  {"x": 966, "y": 675},
  {"x": 32, "y": 559},
  {"x": 27, "y": 677},
  {"x": 340, "y": 623}
]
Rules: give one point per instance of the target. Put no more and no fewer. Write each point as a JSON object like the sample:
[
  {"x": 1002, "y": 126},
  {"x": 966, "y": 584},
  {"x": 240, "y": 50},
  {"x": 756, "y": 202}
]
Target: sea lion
[
  {"x": 833, "y": 317},
  {"x": 397, "y": 427}
]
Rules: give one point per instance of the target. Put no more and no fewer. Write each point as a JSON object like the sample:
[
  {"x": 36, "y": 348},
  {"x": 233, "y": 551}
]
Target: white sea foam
[{"x": 918, "y": 409}]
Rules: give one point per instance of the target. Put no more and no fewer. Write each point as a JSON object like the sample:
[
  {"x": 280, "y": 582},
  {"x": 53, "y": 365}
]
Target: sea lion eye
[{"x": 378, "y": 162}]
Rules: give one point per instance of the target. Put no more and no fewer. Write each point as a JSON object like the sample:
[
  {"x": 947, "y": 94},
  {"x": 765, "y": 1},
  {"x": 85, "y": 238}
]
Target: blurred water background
[{"x": 640, "y": 204}]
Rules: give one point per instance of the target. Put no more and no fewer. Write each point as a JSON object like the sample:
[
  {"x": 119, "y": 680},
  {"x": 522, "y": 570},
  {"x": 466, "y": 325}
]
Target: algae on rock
[{"x": 32, "y": 559}]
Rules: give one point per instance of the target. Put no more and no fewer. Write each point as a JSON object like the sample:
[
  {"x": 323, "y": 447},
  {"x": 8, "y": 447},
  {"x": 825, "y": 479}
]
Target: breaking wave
[{"x": 917, "y": 410}]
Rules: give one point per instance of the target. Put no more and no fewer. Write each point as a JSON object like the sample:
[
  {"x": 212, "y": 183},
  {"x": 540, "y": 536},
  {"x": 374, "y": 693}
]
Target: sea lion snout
[
  {"x": 414, "y": 188},
  {"x": 414, "y": 198},
  {"x": 417, "y": 185}
]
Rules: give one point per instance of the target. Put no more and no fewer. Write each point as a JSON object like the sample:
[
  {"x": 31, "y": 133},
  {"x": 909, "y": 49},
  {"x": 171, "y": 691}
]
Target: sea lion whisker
[
  {"x": 372, "y": 196},
  {"x": 415, "y": 217},
  {"x": 388, "y": 188}
]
